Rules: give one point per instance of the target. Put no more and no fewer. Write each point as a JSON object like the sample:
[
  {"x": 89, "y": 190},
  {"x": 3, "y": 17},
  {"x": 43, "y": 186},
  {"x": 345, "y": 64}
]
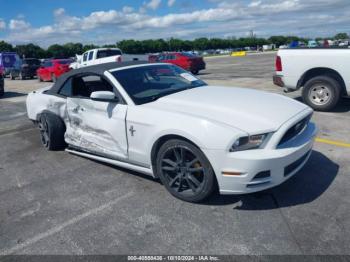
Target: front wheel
[
  {"x": 322, "y": 93},
  {"x": 194, "y": 72},
  {"x": 185, "y": 171}
]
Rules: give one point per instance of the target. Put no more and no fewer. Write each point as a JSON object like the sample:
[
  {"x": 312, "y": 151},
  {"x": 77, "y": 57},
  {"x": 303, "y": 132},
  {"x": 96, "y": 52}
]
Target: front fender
[{"x": 151, "y": 125}]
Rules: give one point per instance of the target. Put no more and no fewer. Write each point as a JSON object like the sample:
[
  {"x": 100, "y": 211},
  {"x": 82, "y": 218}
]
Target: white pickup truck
[
  {"x": 323, "y": 75},
  {"x": 97, "y": 56}
]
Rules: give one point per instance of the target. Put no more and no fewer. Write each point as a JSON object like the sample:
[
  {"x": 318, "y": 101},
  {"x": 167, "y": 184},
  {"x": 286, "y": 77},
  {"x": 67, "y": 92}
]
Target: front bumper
[{"x": 261, "y": 169}]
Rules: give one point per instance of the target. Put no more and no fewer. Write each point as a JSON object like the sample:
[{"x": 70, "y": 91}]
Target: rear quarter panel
[{"x": 37, "y": 102}]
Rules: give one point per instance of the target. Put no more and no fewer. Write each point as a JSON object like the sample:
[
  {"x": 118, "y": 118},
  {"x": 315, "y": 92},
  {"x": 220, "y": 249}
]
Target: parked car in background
[
  {"x": 25, "y": 68},
  {"x": 323, "y": 74},
  {"x": 50, "y": 70},
  {"x": 2, "y": 83},
  {"x": 153, "y": 58},
  {"x": 8, "y": 61},
  {"x": 187, "y": 61},
  {"x": 312, "y": 44},
  {"x": 97, "y": 56}
]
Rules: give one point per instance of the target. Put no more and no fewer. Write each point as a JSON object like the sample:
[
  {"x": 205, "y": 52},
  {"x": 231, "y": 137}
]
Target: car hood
[{"x": 246, "y": 109}]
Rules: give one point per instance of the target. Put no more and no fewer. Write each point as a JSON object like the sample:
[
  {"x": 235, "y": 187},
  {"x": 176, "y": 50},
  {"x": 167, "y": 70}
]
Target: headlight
[{"x": 248, "y": 142}]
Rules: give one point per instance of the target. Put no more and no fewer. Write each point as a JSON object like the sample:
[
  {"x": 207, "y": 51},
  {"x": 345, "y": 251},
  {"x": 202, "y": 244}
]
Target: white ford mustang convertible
[{"x": 160, "y": 120}]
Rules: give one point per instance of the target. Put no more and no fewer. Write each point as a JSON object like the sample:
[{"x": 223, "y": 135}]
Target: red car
[
  {"x": 187, "y": 61},
  {"x": 50, "y": 70}
]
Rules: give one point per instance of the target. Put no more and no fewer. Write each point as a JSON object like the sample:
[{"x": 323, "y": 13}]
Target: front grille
[
  {"x": 293, "y": 166},
  {"x": 295, "y": 130}
]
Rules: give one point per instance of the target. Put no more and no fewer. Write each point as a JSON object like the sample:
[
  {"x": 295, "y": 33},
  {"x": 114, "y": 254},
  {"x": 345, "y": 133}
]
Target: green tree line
[{"x": 153, "y": 45}]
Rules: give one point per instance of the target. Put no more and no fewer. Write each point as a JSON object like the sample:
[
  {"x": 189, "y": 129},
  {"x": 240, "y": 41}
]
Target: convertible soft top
[{"x": 95, "y": 69}]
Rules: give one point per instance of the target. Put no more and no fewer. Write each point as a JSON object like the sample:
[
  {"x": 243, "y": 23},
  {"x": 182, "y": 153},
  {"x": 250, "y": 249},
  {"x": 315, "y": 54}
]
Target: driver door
[{"x": 95, "y": 126}]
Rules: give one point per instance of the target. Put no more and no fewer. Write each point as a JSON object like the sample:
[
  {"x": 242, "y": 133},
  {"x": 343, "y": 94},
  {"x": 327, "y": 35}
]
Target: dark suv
[{"x": 25, "y": 68}]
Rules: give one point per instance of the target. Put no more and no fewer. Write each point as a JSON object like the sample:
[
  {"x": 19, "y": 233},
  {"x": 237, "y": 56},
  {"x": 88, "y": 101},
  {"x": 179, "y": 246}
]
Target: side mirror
[{"x": 103, "y": 96}]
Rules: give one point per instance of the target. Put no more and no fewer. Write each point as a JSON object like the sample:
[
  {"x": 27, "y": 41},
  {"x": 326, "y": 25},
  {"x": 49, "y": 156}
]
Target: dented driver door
[{"x": 97, "y": 127}]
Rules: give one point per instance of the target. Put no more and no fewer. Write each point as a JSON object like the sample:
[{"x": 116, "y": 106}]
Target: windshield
[{"x": 148, "y": 83}]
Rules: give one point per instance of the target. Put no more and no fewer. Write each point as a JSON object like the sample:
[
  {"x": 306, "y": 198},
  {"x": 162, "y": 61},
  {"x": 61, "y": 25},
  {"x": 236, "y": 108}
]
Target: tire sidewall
[
  {"x": 56, "y": 131},
  {"x": 331, "y": 84},
  {"x": 209, "y": 184},
  {"x": 2, "y": 87}
]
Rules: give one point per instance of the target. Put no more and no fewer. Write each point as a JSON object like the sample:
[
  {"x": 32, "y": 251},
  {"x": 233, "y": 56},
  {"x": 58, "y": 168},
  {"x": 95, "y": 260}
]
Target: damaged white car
[{"x": 160, "y": 120}]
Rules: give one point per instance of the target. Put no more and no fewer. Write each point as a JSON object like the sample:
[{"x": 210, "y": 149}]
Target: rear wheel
[
  {"x": 12, "y": 77},
  {"x": 195, "y": 72},
  {"x": 2, "y": 89},
  {"x": 40, "y": 79},
  {"x": 52, "y": 131},
  {"x": 185, "y": 171},
  {"x": 322, "y": 93}
]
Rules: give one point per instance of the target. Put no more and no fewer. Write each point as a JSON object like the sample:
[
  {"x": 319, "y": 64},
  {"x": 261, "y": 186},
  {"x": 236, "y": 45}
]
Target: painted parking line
[{"x": 332, "y": 142}]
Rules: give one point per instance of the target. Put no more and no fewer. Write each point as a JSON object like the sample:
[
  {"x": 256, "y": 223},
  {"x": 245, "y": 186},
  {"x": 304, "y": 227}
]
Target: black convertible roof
[{"x": 95, "y": 69}]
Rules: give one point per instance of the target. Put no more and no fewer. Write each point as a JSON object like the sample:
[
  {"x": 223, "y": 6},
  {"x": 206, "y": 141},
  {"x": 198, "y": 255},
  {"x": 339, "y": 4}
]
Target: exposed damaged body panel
[{"x": 98, "y": 127}]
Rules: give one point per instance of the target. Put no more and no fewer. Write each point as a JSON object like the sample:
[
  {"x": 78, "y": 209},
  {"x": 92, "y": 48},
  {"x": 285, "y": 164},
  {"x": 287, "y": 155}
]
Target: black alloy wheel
[
  {"x": 185, "y": 171},
  {"x": 44, "y": 131}
]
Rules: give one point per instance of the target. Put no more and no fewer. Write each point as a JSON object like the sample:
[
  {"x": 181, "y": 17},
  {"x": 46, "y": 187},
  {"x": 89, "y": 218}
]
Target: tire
[
  {"x": 21, "y": 77},
  {"x": 12, "y": 77},
  {"x": 185, "y": 171},
  {"x": 39, "y": 79},
  {"x": 2, "y": 88},
  {"x": 195, "y": 72},
  {"x": 53, "y": 78},
  {"x": 322, "y": 93},
  {"x": 52, "y": 130}
]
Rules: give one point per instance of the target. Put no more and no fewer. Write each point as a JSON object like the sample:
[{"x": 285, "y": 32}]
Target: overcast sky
[{"x": 107, "y": 21}]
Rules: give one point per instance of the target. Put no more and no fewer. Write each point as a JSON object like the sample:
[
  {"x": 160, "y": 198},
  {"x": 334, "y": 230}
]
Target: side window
[
  {"x": 83, "y": 86},
  {"x": 91, "y": 53},
  {"x": 66, "y": 89},
  {"x": 101, "y": 54},
  {"x": 85, "y": 57}
]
